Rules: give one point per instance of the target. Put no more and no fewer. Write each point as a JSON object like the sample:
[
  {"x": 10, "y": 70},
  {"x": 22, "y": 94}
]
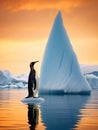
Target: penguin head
[{"x": 32, "y": 64}]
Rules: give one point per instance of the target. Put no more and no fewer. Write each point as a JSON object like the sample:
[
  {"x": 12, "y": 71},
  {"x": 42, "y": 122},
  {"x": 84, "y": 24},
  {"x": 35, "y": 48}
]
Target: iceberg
[
  {"x": 60, "y": 71},
  {"x": 7, "y": 80}
]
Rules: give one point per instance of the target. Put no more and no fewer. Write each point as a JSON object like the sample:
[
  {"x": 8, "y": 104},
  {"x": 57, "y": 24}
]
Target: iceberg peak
[
  {"x": 60, "y": 71},
  {"x": 58, "y": 18}
]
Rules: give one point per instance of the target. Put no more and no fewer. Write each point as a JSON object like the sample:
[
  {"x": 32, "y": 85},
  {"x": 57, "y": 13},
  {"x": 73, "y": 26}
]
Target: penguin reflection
[{"x": 33, "y": 115}]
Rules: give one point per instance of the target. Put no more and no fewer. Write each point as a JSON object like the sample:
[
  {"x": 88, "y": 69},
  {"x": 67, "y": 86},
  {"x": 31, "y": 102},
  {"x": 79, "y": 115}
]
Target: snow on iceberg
[{"x": 60, "y": 71}]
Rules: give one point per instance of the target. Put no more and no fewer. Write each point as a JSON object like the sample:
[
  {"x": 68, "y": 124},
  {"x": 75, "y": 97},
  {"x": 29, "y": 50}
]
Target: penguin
[{"x": 32, "y": 82}]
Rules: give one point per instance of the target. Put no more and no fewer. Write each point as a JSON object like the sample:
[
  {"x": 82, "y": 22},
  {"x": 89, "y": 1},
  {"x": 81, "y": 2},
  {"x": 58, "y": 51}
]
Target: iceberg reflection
[{"x": 62, "y": 112}]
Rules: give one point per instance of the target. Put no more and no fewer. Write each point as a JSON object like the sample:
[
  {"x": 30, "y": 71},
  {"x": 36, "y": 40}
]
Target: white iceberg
[{"x": 60, "y": 71}]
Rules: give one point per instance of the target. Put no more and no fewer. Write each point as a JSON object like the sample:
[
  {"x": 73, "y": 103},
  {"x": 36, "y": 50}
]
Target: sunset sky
[{"x": 25, "y": 26}]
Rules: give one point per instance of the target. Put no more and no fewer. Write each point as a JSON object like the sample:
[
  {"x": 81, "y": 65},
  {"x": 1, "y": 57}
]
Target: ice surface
[{"x": 60, "y": 71}]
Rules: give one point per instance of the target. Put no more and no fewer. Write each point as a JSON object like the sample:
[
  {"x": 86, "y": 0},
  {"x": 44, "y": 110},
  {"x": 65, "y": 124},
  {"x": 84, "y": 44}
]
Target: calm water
[{"x": 63, "y": 112}]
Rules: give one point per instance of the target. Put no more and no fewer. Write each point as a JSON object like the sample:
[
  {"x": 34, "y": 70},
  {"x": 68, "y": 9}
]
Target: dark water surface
[{"x": 62, "y": 112}]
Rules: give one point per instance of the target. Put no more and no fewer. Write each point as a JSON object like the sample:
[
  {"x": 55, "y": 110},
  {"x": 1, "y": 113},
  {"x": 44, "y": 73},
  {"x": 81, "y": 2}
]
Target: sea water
[{"x": 57, "y": 112}]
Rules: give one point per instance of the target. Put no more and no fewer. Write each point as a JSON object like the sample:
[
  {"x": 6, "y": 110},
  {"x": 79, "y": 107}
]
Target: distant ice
[
  {"x": 60, "y": 71},
  {"x": 5, "y": 77},
  {"x": 7, "y": 80},
  {"x": 93, "y": 80},
  {"x": 89, "y": 68}
]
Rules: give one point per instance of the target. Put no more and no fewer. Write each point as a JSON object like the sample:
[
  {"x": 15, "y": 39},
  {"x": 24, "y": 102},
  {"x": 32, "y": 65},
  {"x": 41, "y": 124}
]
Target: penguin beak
[{"x": 36, "y": 62}]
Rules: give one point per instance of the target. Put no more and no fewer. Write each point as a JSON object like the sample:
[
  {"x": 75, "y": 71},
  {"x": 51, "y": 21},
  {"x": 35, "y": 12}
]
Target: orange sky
[{"x": 25, "y": 26}]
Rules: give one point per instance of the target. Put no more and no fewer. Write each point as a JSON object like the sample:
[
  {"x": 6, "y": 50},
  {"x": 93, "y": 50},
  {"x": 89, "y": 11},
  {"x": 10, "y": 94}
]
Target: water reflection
[
  {"x": 56, "y": 112},
  {"x": 33, "y": 116},
  {"x": 62, "y": 112}
]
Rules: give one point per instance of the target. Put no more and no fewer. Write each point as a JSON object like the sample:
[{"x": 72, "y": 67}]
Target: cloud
[{"x": 67, "y": 5}]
